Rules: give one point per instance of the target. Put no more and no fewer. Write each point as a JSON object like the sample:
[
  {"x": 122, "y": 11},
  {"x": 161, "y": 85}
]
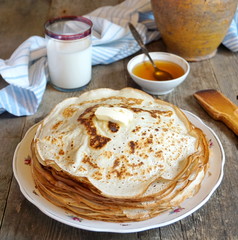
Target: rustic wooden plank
[
  {"x": 6, "y": 170},
  {"x": 204, "y": 223},
  {"x": 18, "y": 22},
  {"x": 172, "y": 231},
  {"x": 21, "y": 217},
  {"x": 103, "y": 76},
  {"x": 78, "y": 7},
  {"x": 226, "y": 72},
  {"x": 225, "y": 69}
]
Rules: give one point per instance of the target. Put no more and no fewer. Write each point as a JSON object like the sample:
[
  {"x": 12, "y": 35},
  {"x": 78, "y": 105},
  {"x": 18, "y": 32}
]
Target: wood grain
[{"x": 20, "y": 219}]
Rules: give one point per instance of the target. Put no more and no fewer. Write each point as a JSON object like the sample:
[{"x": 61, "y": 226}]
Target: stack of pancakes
[{"x": 118, "y": 156}]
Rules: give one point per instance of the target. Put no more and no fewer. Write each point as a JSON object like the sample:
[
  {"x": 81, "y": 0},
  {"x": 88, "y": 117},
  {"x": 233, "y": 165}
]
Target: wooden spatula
[{"x": 219, "y": 107}]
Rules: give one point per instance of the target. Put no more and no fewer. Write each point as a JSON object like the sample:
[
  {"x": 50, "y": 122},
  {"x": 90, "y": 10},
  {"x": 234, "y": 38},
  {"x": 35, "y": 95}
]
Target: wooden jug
[{"x": 193, "y": 29}]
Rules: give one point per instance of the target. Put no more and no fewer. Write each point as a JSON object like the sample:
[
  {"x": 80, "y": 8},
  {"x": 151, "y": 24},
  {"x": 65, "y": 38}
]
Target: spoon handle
[{"x": 139, "y": 40}]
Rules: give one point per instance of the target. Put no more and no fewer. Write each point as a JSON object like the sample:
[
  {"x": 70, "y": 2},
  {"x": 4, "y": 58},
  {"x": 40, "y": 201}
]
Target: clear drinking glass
[{"x": 69, "y": 52}]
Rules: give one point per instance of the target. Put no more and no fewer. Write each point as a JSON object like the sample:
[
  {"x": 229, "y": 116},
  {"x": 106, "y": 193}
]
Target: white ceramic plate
[{"x": 22, "y": 172}]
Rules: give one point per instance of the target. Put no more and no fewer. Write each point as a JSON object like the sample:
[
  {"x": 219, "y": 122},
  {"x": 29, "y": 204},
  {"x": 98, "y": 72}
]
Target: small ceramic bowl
[{"x": 158, "y": 87}]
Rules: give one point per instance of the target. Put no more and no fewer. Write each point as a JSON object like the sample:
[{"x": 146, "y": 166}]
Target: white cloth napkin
[{"x": 26, "y": 71}]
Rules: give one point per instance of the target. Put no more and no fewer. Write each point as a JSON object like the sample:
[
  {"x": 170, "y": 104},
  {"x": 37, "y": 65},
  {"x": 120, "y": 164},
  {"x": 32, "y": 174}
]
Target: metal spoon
[{"x": 158, "y": 73}]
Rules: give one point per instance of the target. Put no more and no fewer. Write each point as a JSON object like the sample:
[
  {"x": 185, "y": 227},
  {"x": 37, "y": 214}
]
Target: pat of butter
[{"x": 114, "y": 114}]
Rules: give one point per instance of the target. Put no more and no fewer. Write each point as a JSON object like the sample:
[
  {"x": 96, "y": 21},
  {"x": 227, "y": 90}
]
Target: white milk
[
  {"x": 69, "y": 62},
  {"x": 69, "y": 51}
]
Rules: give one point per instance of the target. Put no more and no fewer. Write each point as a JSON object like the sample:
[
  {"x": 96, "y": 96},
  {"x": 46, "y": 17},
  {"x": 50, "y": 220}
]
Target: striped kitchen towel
[
  {"x": 231, "y": 38},
  {"x": 26, "y": 71},
  {"x": 26, "y": 74}
]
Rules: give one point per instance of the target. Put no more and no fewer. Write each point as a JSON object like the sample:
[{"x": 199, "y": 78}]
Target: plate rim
[{"x": 128, "y": 229}]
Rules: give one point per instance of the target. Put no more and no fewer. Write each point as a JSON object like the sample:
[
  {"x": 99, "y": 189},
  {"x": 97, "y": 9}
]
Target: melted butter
[
  {"x": 145, "y": 69},
  {"x": 114, "y": 114}
]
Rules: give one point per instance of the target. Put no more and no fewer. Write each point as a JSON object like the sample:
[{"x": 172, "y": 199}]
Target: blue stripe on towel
[{"x": 231, "y": 38}]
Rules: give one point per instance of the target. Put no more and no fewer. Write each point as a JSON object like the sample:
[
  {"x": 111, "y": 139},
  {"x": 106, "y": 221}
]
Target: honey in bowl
[{"x": 145, "y": 69}]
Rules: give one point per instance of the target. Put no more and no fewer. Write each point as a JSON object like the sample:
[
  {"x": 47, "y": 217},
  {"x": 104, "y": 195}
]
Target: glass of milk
[{"x": 69, "y": 52}]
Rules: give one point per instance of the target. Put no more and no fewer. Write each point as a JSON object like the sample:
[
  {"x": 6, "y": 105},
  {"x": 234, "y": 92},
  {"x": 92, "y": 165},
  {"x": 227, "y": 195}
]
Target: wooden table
[{"x": 217, "y": 219}]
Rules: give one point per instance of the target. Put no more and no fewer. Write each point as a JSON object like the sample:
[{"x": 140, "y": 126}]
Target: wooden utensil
[{"x": 219, "y": 107}]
